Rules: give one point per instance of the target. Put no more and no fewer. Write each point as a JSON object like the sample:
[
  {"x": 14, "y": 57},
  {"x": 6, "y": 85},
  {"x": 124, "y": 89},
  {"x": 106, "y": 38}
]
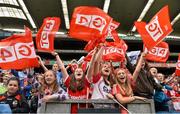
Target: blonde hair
[
  {"x": 128, "y": 89},
  {"x": 45, "y": 85}
]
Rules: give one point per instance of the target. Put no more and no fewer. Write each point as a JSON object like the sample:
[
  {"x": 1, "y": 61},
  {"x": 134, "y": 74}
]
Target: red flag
[
  {"x": 114, "y": 35},
  {"x": 45, "y": 35},
  {"x": 88, "y": 23},
  {"x": 177, "y": 72},
  {"x": 113, "y": 25},
  {"x": 17, "y": 52},
  {"x": 93, "y": 43},
  {"x": 84, "y": 65},
  {"x": 159, "y": 53},
  {"x": 156, "y": 30},
  {"x": 119, "y": 41},
  {"x": 88, "y": 56},
  {"x": 113, "y": 52},
  {"x": 90, "y": 45}
]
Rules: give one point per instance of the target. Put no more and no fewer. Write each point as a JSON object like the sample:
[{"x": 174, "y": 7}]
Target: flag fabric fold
[
  {"x": 18, "y": 52},
  {"x": 46, "y": 34},
  {"x": 89, "y": 23},
  {"x": 159, "y": 53},
  {"x": 156, "y": 30}
]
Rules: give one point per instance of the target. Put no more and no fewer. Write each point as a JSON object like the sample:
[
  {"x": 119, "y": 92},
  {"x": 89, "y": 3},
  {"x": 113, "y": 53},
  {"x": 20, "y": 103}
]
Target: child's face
[
  {"x": 121, "y": 76},
  {"x": 106, "y": 69},
  {"x": 6, "y": 78},
  {"x": 160, "y": 77},
  {"x": 12, "y": 87},
  {"x": 30, "y": 80},
  {"x": 153, "y": 72},
  {"x": 78, "y": 74},
  {"x": 40, "y": 78},
  {"x": 50, "y": 78},
  {"x": 34, "y": 92},
  {"x": 55, "y": 67}
]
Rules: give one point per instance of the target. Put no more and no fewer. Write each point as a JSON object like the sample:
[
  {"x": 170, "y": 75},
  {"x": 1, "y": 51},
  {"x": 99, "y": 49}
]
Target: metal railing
[{"x": 136, "y": 106}]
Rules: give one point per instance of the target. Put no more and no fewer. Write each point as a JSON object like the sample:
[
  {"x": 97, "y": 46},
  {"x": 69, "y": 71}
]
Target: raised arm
[
  {"x": 91, "y": 66},
  {"x": 169, "y": 80},
  {"x": 61, "y": 65},
  {"x": 69, "y": 65},
  {"x": 138, "y": 67},
  {"x": 98, "y": 60},
  {"x": 42, "y": 64}
]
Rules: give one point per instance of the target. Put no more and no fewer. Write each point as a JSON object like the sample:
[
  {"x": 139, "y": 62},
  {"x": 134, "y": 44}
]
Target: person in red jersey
[
  {"x": 122, "y": 90},
  {"x": 77, "y": 84}
]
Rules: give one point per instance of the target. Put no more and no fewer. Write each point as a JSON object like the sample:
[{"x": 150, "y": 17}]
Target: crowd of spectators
[{"x": 26, "y": 90}]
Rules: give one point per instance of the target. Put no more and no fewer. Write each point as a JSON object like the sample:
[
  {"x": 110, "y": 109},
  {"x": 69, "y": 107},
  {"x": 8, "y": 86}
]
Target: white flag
[{"x": 133, "y": 56}]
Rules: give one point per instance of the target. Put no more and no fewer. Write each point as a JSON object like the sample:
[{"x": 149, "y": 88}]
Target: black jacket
[
  {"x": 17, "y": 102},
  {"x": 145, "y": 83},
  {"x": 33, "y": 104}
]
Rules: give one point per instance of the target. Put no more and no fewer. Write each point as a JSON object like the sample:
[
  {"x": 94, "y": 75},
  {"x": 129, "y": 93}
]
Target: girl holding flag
[{"x": 101, "y": 77}]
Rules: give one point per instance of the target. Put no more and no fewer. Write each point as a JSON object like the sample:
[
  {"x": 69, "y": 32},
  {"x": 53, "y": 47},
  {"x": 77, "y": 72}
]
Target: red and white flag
[
  {"x": 89, "y": 56},
  {"x": 112, "y": 27},
  {"x": 114, "y": 54},
  {"x": 93, "y": 43},
  {"x": 177, "y": 72},
  {"x": 120, "y": 42},
  {"x": 114, "y": 51},
  {"x": 45, "y": 35},
  {"x": 159, "y": 53},
  {"x": 89, "y": 23},
  {"x": 156, "y": 30},
  {"x": 17, "y": 52},
  {"x": 111, "y": 33}
]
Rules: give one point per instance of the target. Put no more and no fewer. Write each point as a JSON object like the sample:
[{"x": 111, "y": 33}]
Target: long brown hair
[
  {"x": 111, "y": 77},
  {"x": 128, "y": 88},
  {"x": 77, "y": 86},
  {"x": 45, "y": 85}
]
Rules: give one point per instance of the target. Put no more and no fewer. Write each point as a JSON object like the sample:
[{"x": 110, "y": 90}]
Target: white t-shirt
[{"x": 100, "y": 89}]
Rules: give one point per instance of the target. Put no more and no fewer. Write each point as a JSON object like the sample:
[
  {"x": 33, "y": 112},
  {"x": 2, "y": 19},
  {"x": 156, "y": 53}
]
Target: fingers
[
  {"x": 144, "y": 99},
  {"x": 110, "y": 96},
  {"x": 54, "y": 53},
  {"x": 39, "y": 58},
  {"x": 143, "y": 54},
  {"x": 73, "y": 61},
  {"x": 140, "y": 98},
  {"x": 46, "y": 98}
]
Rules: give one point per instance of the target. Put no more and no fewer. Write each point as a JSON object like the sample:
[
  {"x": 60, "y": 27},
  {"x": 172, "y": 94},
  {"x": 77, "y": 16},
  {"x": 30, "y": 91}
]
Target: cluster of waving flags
[{"x": 92, "y": 25}]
